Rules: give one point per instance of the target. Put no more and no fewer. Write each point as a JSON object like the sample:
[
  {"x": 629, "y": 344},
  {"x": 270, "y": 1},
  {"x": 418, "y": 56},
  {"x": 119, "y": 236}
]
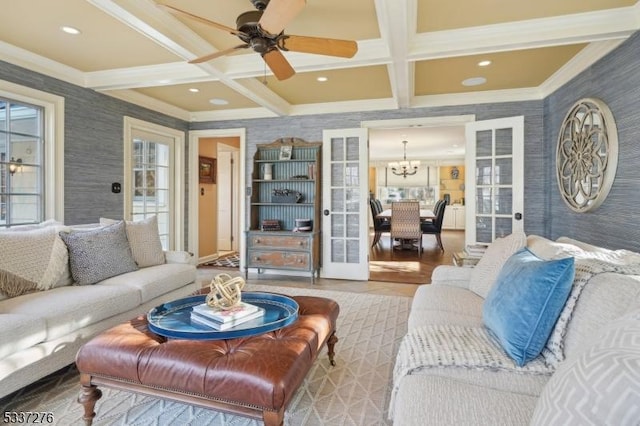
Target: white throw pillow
[
  {"x": 144, "y": 240},
  {"x": 31, "y": 260},
  {"x": 486, "y": 271}
]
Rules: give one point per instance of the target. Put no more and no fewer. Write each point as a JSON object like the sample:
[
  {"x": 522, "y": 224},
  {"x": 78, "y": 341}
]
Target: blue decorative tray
[{"x": 173, "y": 319}]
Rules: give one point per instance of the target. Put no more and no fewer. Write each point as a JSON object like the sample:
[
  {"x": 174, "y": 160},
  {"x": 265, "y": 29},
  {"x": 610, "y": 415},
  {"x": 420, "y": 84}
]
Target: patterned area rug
[
  {"x": 354, "y": 392},
  {"x": 231, "y": 260}
]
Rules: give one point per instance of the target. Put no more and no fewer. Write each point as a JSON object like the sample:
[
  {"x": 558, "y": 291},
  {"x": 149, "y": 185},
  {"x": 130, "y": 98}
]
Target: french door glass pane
[
  {"x": 504, "y": 141},
  {"x": 504, "y": 226},
  {"x": 483, "y": 172},
  {"x": 337, "y": 251},
  {"x": 337, "y": 200},
  {"x": 337, "y": 225},
  {"x": 484, "y": 229},
  {"x": 504, "y": 171},
  {"x": 484, "y": 144},
  {"x": 483, "y": 201},
  {"x": 504, "y": 201}
]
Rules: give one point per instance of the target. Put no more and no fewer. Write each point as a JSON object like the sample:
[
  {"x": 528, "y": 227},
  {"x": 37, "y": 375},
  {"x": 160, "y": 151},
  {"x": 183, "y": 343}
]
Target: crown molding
[
  {"x": 31, "y": 61},
  {"x": 149, "y": 102},
  {"x": 232, "y": 114},
  {"x": 580, "y": 62},
  {"x": 472, "y": 98}
]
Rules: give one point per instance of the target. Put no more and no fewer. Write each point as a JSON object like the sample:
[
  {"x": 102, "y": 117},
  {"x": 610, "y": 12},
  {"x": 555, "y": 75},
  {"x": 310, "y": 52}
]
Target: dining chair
[
  {"x": 435, "y": 227},
  {"x": 405, "y": 222},
  {"x": 380, "y": 225}
]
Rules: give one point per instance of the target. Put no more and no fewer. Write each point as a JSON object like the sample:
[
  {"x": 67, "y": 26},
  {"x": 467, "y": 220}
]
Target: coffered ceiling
[{"x": 411, "y": 53}]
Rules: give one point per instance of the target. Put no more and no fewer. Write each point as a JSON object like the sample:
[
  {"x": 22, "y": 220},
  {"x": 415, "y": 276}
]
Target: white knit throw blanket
[
  {"x": 436, "y": 346},
  {"x": 588, "y": 265}
]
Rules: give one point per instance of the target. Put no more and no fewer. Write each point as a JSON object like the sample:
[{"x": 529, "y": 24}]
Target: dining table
[{"x": 425, "y": 214}]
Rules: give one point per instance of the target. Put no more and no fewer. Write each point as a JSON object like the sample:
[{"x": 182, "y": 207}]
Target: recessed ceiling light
[
  {"x": 474, "y": 81},
  {"x": 194, "y": 90},
  {"x": 70, "y": 30},
  {"x": 485, "y": 63},
  {"x": 218, "y": 101},
  {"x": 322, "y": 79}
]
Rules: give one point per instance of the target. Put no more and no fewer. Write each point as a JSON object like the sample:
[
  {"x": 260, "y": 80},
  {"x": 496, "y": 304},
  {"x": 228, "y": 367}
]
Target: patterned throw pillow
[
  {"x": 486, "y": 271},
  {"x": 144, "y": 240},
  {"x": 98, "y": 254},
  {"x": 600, "y": 385}
]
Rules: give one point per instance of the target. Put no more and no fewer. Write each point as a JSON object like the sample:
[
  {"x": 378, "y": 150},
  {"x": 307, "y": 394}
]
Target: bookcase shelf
[{"x": 286, "y": 248}]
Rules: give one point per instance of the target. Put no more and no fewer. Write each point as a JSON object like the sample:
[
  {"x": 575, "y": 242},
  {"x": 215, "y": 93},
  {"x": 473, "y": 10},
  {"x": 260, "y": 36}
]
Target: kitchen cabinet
[{"x": 454, "y": 217}]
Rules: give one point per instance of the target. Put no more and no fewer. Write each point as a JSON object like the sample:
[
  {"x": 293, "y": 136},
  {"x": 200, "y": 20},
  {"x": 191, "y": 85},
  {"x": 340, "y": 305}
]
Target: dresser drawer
[
  {"x": 290, "y": 242},
  {"x": 279, "y": 259}
]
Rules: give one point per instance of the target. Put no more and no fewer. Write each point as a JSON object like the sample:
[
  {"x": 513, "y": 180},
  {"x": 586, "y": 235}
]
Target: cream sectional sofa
[
  {"x": 42, "y": 329},
  {"x": 445, "y": 375}
]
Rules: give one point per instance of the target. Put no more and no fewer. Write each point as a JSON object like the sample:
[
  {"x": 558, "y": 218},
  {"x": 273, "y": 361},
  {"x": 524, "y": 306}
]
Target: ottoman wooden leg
[
  {"x": 273, "y": 418},
  {"x": 88, "y": 397},
  {"x": 331, "y": 343}
]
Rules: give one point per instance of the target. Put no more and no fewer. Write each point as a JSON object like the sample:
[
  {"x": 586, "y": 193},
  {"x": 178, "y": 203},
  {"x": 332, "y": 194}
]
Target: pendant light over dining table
[{"x": 404, "y": 168}]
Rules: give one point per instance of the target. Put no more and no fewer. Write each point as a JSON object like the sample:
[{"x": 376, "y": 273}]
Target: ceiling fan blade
[
  {"x": 278, "y": 64},
  {"x": 279, "y": 13},
  {"x": 201, "y": 20},
  {"x": 214, "y": 55},
  {"x": 317, "y": 45}
]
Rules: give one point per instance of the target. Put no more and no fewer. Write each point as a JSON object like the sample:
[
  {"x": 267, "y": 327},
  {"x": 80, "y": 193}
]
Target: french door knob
[{"x": 326, "y": 212}]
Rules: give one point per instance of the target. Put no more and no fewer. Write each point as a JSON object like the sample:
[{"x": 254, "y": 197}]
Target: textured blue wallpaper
[
  {"x": 93, "y": 143},
  {"x": 616, "y": 80}
]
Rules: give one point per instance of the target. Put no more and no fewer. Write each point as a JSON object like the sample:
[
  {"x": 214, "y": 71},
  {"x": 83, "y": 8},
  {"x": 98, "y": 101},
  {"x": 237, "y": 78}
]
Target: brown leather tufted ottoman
[{"x": 254, "y": 376}]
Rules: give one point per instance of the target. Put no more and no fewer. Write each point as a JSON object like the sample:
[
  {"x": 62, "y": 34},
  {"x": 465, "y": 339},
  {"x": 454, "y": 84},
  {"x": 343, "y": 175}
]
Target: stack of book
[
  {"x": 271, "y": 225},
  {"x": 475, "y": 250},
  {"x": 220, "y": 319}
]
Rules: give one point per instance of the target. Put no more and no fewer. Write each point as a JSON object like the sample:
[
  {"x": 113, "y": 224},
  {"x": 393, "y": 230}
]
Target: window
[
  {"x": 36, "y": 190},
  {"x": 152, "y": 184},
  {"x": 21, "y": 161}
]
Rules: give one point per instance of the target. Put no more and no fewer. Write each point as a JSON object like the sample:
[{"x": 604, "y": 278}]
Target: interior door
[
  {"x": 495, "y": 178},
  {"x": 225, "y": 201},
  {"x": 345, "y": 239}
]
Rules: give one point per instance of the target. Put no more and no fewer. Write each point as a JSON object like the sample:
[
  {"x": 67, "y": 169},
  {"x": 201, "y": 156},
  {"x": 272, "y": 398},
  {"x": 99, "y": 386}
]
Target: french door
[
  {"x": 495, "y": 178},
  {"x": 152, "y": 163},
  {"x": 345, "y": 239}
]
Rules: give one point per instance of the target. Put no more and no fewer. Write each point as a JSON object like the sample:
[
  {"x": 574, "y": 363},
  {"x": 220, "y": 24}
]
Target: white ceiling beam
[
  {"x": 544, "y": 32},
  {"x": 396, "y": 21},
  {"x": 163, "y": 28}
]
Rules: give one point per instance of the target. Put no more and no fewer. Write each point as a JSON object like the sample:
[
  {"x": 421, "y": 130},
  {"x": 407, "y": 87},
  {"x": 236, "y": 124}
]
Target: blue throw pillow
[{"x": 525, "y": 302}]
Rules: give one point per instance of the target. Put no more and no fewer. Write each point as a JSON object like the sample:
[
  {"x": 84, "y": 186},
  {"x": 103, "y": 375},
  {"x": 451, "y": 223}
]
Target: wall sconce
[{"x": 14, "y": 165}]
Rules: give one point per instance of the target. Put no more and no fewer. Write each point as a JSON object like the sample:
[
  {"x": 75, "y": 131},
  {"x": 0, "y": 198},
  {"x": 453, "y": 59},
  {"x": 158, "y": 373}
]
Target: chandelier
[{"x": 404, "y": 168}]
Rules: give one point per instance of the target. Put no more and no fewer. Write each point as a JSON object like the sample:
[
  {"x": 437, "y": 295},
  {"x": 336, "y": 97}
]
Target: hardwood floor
[
  {"x": 398, "y": 273},
  {"x": 407, "y": 266}
]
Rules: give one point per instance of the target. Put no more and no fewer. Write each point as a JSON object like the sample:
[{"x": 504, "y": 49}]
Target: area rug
[
  {"x": 354, "y": 392},
  {"x": 231, "y": 260}
]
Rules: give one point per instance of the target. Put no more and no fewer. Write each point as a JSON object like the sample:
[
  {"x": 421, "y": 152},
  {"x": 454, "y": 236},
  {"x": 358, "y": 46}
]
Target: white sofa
[
  {"x": 42, "y": 330},
  {"x": 597, "y": 382}
]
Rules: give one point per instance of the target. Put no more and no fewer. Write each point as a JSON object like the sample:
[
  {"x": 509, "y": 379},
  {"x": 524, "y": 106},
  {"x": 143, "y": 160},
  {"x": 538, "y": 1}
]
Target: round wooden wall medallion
[{"x": 586, "y": 155}]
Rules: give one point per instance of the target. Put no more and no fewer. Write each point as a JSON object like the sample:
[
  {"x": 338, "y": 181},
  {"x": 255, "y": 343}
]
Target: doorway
[
  {"x": 203, "y": 223},
  {"x": 439, "y": 145}
]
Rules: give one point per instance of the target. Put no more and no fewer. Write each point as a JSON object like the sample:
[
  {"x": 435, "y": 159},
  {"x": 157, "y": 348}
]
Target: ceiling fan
[{"x": 263, "y": 31}]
